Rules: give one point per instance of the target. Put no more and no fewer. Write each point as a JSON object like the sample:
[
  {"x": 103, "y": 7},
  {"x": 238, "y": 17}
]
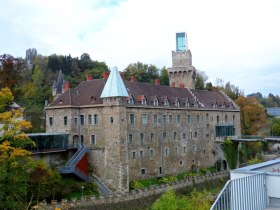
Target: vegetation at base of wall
[
  {"x": 144, "y": 183},
  {"x": 251, "y": 152},
  {"x": 230, "y": 149}
]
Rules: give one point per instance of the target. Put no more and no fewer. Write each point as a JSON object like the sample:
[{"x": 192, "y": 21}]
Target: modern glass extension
[
  {"x": 48, "y": 141},
  {"x": 181, "y": 41}
]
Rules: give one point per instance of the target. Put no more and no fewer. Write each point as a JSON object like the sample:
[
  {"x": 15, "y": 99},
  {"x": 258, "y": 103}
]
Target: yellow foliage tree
[
  {"x": 252, "y": 114},
  {"x": 15, "y": 161}
]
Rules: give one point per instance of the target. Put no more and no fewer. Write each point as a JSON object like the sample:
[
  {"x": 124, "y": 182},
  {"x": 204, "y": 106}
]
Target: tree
[
  {"x": 11, "y": 70},
  {"x": 200, "y": 80},
  {"x": 29, "y": 57},
  {"x": 15, "y": 161},
  {"x": 164, "y": 78},
  {"x": 142, "y": 72},
  {"x": 195, "y": 201},
  {"x": 169, "y": 201},
  {"x": 253, "y": 117}
]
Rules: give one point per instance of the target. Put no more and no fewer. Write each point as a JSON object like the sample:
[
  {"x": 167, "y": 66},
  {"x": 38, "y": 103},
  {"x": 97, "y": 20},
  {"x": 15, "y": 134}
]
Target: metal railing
[
  {"x": 102, "y": 187},
  {"x": 246, "y": 193}
]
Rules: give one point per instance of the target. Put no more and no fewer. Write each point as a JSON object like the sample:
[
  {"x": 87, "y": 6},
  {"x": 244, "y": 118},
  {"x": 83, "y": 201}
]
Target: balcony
[{"x": 254, "y": 187}]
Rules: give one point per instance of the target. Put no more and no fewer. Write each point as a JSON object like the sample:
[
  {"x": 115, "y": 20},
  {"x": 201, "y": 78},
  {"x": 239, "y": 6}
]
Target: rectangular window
[
  {"x": 178, "y": 119},
  {"x": 65, "y": 120},
  {"x": 143, "y": 171},
  {"x": 176, "y": 150},
  {"x": 197, "y": 118},
  {"x": 184, "y": 135},
  {"x": 51, "y": 121},
  {"x": 131, "y": 118},
  {"x": 141, "y": 153},
  {"x": 144, "y": 118},
  {"x": 174, "y": 136},
  {"x": 82, "y": 120},
  {"x": 164, "y": 136},
  {"x": 195, "y": 134},
  {"x": 75, "y": 121},
  {"x": 152, "y": 137},
  {"x": 207, "y": 126},
  {"x": 160, "y": 170},
  {"x": 204, "y": 152},
  {"x": 133, "y": 155},
  {"x": 189, "y": 118},
  {"x": 166, "y": 151},
  {"x": 164, "y": 119},
  {"x": 130, "y": 138},
  {"x": 226, "y": 130},
  {"x": 93, "y": 140},
  {"x": 185, "y": 149},
  {"x": 194, "y": 148},
  {"x": 151, "y": 152},
  {"x": 207, "y": 116},
  {"x": 155, "y": 119},
  {"x": 95, "y": 119},
  {"x": 233, "y": 118},
  {"x": 141, "y": 138},
  {"x": 89, "y": 119},
  {"x": 207, "y": 135},
  {"x": 82, "y": 138},
  {"x": 170, "y": 118}
]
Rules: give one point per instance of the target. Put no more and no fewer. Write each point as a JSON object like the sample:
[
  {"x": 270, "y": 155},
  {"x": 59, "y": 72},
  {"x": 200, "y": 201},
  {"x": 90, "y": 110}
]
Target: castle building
[{"x": 136, "y": 130}]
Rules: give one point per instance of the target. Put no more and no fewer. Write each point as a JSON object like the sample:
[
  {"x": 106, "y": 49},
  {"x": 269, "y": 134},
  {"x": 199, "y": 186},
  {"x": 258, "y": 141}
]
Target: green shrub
[
  {"x": 168, "y": 179},
  {"x": 135, "y": 185}
]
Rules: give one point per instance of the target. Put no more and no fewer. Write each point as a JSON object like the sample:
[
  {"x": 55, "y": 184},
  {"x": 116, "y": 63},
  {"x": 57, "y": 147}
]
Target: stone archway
[{"x": 224, "y": 165}]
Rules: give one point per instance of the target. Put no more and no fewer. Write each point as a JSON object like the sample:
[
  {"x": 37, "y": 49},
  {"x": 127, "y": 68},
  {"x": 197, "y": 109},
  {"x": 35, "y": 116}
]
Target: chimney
[
  {"x": 66, "y": 85},
  {"x": 106, "y": 75},
  {"x": 132, "y": 79},
  {"x": 88, "y": 77},
  {"x": 173, "y": 84},
  {"x": 157, "y": 81}
]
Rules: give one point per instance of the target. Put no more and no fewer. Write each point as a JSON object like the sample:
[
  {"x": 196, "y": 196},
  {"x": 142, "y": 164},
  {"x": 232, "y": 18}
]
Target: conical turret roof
[{"x": 114, "y": 86}]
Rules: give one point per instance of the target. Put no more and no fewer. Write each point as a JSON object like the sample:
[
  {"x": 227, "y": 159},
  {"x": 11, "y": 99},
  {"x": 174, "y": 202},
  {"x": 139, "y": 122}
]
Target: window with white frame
[
  {"x": 93, "y": 139},
  {"x": 144, "y": 119},
  {"x": 131, "y": 119},
  {"x": 95, "y": 119}
]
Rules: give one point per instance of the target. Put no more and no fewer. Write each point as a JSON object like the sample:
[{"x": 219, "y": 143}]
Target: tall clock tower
[{"x": 182, "y": 73}]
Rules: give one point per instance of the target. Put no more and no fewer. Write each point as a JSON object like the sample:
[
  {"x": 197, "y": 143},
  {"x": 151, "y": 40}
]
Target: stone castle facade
[{"x": 136, "y": 130}]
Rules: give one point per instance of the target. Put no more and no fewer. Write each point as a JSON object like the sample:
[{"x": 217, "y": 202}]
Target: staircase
[{"x": 70, "y": 167}]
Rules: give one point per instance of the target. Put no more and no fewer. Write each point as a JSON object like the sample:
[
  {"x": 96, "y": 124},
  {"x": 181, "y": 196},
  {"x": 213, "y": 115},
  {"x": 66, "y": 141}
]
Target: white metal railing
[{"x": 246, "y": 193}]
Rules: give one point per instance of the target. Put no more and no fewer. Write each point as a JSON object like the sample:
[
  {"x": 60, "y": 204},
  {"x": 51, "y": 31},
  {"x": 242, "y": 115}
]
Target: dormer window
[
  {"x": 187, "y": 103},
  {"x": 155, "y": 102},
  {"x": 215, "y": 105},
  {"x": 223, "y": 105},
  {"x": 177, "y": 102},
  {"x": 166, "y": 102},
  {"x": 195, "y": 103},
  {"x": 144, "y": 101},
  {"x": 131, "y": 100}
]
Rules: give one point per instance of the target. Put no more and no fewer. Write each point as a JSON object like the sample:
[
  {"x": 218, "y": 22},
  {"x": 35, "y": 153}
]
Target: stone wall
[{"x": 89, "y": 202}]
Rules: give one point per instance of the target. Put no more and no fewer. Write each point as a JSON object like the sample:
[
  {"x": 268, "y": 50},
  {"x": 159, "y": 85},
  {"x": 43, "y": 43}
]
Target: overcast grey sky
[{"x": 236, "y": 40}]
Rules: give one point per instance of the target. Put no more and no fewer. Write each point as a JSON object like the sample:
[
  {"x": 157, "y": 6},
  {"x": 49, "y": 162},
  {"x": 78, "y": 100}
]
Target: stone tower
[
  {"x": 182, "y": 73},
  {"x": 114, "y": 97}
]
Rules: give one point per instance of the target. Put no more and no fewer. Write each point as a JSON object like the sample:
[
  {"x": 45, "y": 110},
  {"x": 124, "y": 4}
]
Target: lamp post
[{"x": 82, "y": 192}]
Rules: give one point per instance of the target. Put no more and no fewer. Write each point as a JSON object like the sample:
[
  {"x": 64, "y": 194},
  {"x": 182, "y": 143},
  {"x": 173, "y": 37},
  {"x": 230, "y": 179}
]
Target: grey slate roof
[{"x": 89, "y": 92}]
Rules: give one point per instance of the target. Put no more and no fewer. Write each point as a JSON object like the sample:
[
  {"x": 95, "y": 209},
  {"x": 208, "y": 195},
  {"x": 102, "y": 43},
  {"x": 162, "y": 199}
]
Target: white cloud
[{"x": 234, "y": 40}]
